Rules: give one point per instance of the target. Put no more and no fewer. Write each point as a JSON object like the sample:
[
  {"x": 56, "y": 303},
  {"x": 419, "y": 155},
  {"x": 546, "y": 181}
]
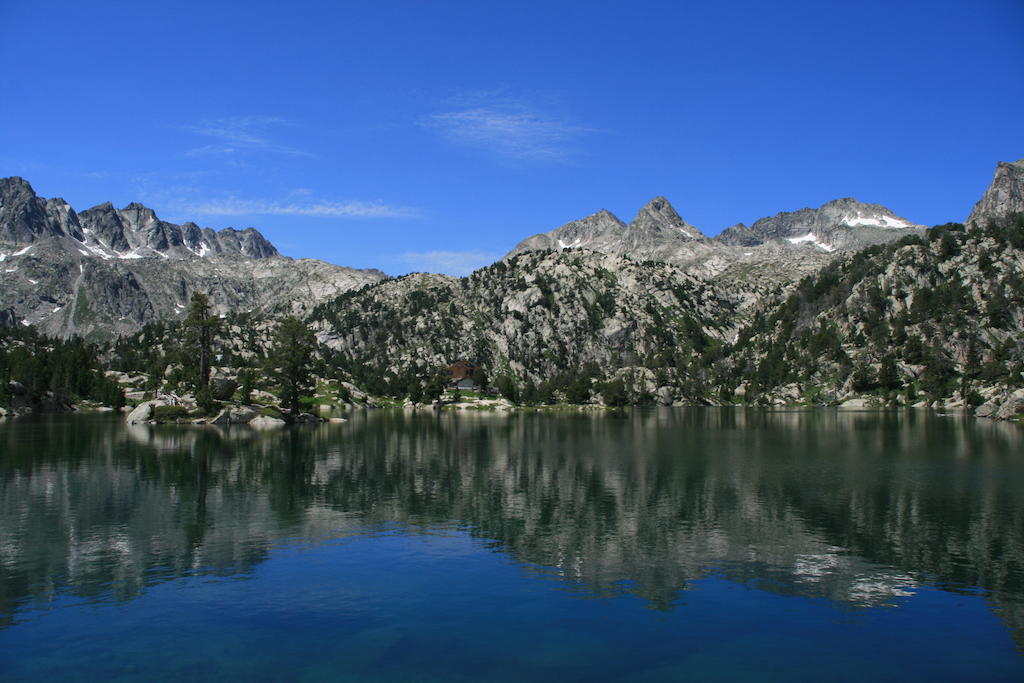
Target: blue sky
[{"x": 435, "y": 135}]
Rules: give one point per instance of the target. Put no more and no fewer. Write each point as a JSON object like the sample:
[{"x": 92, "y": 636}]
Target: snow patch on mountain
[
  {"x": 813, "y": 239},
  {"x": 877, "y": 222}
]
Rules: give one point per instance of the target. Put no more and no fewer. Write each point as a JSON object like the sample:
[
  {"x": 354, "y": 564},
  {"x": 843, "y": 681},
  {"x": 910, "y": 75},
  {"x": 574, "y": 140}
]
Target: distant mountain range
[
  {"x": 889, "y": 312},
  {"x": 107, "y": 271},
  {"x": 774, "y": 250},
  {"x": 846, "y": 302}
]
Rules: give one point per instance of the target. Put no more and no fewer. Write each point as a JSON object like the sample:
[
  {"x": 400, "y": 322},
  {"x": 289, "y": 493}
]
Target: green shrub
[{"x": 169, "y": 413}]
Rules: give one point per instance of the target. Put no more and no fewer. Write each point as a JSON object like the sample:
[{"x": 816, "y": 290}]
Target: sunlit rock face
[
  {"x": 105, "y": 271},
  {"x": 774, "y": 250},
  {"x": 534, "y": 314},
  {"x": 1004, "y": 197}
]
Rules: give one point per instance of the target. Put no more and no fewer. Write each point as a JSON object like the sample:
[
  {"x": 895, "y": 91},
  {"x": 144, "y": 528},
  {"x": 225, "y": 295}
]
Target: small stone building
[{"x": 464, "y": 375}]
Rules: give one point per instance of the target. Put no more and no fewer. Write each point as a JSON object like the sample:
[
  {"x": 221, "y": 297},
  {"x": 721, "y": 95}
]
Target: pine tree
[
  {"x": 290, "y": 362},
  {"x": 201, "y": 327},
  {"x": 888, "y": 374},
  {"x": 578, "y": 391},
  {"x": 614, "y": 393},
  {"x": 507, "y": 388}
]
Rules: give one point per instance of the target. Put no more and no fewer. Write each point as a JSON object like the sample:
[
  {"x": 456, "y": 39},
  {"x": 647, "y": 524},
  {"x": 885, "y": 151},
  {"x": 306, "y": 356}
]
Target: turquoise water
[{"x": 661, "y": 544}]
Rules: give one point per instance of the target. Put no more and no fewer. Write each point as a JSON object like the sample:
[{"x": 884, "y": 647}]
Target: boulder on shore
[
  {"x": 1013, "y": 406},
  {"x": 1003, "y": 407},
  {"x": 143, "y": 412},
  {"x": 266, "y": 422},
  {"x": 235, "y": 415}
]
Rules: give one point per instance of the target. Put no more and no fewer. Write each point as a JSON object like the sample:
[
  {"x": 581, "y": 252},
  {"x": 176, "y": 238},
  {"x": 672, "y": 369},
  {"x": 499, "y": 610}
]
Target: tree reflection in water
[{"x": 859, "y": 508}]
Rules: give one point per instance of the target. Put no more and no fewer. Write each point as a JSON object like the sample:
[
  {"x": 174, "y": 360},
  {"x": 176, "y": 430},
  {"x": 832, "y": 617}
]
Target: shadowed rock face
[
  {"x": 1003, "y": 197},
  {"x": 108, "y": 271},
  {"x": 24, "y": 217}
]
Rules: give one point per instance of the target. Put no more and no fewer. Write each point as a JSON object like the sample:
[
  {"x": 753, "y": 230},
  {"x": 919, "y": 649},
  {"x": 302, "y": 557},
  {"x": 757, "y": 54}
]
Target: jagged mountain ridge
[
  {"x": 774, "y": 250},
  {"x": 106, "y": 271},
  {"x": 128, "y": 233}
]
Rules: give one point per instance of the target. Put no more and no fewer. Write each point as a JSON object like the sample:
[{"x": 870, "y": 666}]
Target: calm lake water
[{"x": 661, "y": 544}]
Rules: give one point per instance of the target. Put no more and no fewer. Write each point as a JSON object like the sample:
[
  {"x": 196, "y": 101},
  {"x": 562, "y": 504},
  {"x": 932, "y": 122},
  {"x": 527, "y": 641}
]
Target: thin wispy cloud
[
  {"x": 233, "y": 206},
  {"x": 457, "y": 263},
  {"x": 237, "y": 134},
  {"x": 509, "y": 129}
]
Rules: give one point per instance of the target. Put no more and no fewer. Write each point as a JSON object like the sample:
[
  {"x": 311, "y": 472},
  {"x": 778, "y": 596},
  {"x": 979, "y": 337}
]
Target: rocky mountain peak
[
  {"x": 1004, "y": 196},
  {"x": 658, "y": 204},
  {"x": 604, "y": 215},
  {"x": 739, "y": 235},
  {"x": 844, "y": 223},
  {"x": 248, "y": 242},
  {"x": 25, "y": 218},
  {"x": 138, "y": 215},
  {"x": 15, "y": 184},
  {"x": 659, "y": 218}
]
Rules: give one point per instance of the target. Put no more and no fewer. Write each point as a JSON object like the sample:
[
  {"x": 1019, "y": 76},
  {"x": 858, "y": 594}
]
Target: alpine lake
[{"x": 651, "y": 544}]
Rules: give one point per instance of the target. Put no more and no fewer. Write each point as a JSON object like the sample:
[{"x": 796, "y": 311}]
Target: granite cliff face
[
  {"x": 1005, "y": 196},
  {"x": 105, "y": 271},
  {"x": 776, "y": 250},
  {"x": 532, "y": 316}
]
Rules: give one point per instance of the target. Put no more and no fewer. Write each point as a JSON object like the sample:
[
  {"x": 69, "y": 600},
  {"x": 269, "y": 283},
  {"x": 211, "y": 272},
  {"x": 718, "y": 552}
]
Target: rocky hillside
[
  {"x": 936, "y": 315},
  {"x": 923, "y": 319},
  {"x": 923, "y": 316},
  {"x": 773, "y": 251},
  {"x": 533, "y": 317},
  {"x": 932, "y": 318},
  {"x": 106, "y": 271}
]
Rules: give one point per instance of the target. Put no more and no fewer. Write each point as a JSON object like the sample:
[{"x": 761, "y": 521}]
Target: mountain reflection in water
[{"x": 859, "y": 508}]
